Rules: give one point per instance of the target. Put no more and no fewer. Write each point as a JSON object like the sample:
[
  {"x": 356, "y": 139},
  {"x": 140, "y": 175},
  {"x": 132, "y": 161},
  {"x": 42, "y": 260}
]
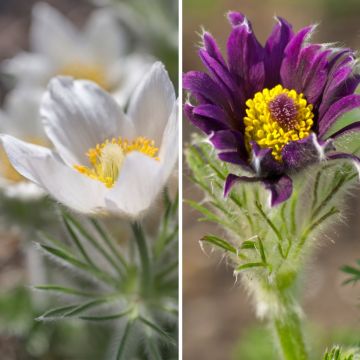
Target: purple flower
[{"x": 269, "y": 109}]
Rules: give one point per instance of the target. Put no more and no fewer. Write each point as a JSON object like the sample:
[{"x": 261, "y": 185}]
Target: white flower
[
  {"x": 104, "y": 161},
  {"x": 97, "y": 53},
  {"x": 20, "y": 117}
]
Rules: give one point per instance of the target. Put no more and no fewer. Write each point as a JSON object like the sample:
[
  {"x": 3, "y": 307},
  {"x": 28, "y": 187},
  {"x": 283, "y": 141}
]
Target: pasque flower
[
  {"x": 104, "y": 161},
  {"x": 98, "y": 52},
  {"x": 270, "y": 109}
]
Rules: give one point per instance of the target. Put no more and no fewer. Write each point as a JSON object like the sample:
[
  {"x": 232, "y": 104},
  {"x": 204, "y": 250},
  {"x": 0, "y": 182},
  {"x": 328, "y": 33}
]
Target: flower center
[
  {"x": 108, "y": 158},
  {"x": 276, "y": 117},
  {"x": 78, "y": 71}
]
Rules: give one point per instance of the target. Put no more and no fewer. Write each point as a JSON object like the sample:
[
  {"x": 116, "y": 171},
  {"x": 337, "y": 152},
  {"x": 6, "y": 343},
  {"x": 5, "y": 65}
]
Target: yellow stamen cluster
[
  {"x": 95, "y": 73},
  {"x": 276, "y": 117},
  {"x": 107, "y": 158}
]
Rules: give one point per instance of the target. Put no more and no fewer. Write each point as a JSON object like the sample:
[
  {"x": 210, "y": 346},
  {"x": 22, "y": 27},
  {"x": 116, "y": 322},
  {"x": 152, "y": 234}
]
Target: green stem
[
  {"x": 288, "y": 332},
  {"x": 144, "y": 256}
]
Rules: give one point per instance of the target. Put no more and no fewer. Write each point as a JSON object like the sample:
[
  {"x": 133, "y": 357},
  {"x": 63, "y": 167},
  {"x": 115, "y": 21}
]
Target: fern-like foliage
[
  {"x": 131, "y": 287},
  {"x": 353, "y": 272},
  {"x": 337, "y": 353}
]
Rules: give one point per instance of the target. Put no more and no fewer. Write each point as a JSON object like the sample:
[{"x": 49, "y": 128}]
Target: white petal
[
  {"x": 31, "y": 69},
  {"x": 169, "y": 149},
  {"x": 104, "y": 37},
  {"x": 52, "y": 34},
  {"x": 20, "y": 153},
  {"x": 77, "y": 115},
  {"x": 126, "y": 73},
  {"x": 65, "y": 184},
  {"x": 137, "y": 186},
  {"x": 21, "y": 106},
  {"x": 152, "y": 103}
]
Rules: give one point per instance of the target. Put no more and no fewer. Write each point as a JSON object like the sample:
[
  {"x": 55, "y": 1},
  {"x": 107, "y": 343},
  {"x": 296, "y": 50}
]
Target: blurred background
[
  {"x": 219, "y": 323},
  {"x": 21, "y": 337}
]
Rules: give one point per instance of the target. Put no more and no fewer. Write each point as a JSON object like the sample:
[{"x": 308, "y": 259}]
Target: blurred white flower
[
  {"x": 96, "y": 53},
  {"x": 154, "y": 22},
  {"x": 20, "y": 117},
  {"x": 104, "y": 161}
]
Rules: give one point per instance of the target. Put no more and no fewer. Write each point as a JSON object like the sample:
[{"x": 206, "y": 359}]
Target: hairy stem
[{"x": 287, "y": 327}]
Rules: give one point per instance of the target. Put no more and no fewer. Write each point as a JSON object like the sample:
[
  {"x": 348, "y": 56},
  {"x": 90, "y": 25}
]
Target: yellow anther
[
  {"x": 107, "y": 158},
  {"x": 276, "y": 117}
]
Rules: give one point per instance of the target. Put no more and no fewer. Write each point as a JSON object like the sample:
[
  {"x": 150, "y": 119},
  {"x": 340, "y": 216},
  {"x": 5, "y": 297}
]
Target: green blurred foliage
[{"x": 257, "y": 343}]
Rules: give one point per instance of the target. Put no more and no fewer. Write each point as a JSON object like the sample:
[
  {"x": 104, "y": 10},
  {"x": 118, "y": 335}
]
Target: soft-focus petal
[
  {"x": 125, "y": 74},
  {"x": 21, "y": 106},
  {"x": 104, "y": 37},
  {"x": 52, "y": 34},
  {"x": 78, "y": 115},
  {"x": 152, "y": 103},
  {"x": 29, "y": 69},
  {"x": 23, "y": 190}
]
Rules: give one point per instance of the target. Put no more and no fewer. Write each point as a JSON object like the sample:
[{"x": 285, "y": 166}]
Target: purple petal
[
  {"x": 198, "y": 82},
  {"x": 228, "y": 140},
  {"x": 232, "y": 180},
  {"x": 336, "y": 110},
  {"x": 290, "y": 61},
  {"x": 235, "y": 18},
  {"x": 236, "y": 158},
  {"x": 315, "y": 75},
  {"x": 205, "y": 119},
  {"x": 264, "y": 163},
  {"x": 219, "y": 72},
  {"x": 299, "y": 154},
  {"x": 274, "y": 51},
  {"x": 212, "y": 48},
  {"x": 280, "y": 189},
  {"x": 245, "y": 57},
  {"x": 341, "y": 79},
  {"x": 354, "y": 127}
]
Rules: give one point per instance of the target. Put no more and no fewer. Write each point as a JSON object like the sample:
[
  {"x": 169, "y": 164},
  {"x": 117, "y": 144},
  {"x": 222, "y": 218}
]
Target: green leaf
[
  {"x": 158, "y": 330},
  {"x": 74, "y": 226},
  {"x": 67, "y": 258},
  {"x": 220, "y": 243},
  {"x": 70, "y": 310},
  {"x": 107, "y": 317},
  {"x": 210, "y": 216},
  {"x": 354, "y": 272},
  {"x": 72, "y": 232},
  {"x": 248, "y": 244},
  {"x": 64, "y": 290},
  {"x": 121, "y": 353}
]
